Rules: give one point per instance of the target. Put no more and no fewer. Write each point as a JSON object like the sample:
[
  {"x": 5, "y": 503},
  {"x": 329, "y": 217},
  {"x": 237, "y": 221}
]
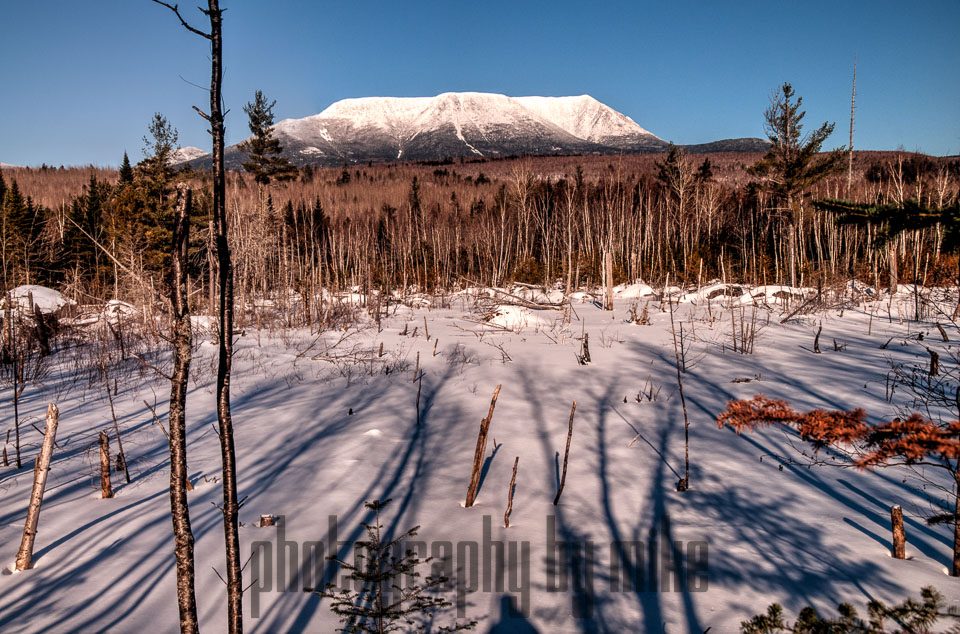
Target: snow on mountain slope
[
  {"x": 184, "y": 154},
  {"x": 456, "y": 124},
  {"x": 588, "y": 119}
]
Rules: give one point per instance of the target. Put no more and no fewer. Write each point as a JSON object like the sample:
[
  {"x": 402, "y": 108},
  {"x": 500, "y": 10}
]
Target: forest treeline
[{"x": 101, "y": 233}]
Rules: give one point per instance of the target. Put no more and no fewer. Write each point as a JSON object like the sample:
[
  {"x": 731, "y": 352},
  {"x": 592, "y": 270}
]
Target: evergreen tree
[
  {"x": 15, "y": 211},
  {"x": 891, "y": 220},
  {"x": 909, "y": 616},
  {"x": 155, "y": 170},
  {"x": 264, "y": 151},
  {"x": 792, "y": 164},
  {"x": 705, "y": 171},
  {"x": 126, "y": 172},
  {"x": 381, "y": 604}
]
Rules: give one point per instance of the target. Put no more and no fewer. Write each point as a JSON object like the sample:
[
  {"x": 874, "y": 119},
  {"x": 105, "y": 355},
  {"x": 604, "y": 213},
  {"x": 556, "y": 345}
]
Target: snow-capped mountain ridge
[{"x": 456, "y": 124}]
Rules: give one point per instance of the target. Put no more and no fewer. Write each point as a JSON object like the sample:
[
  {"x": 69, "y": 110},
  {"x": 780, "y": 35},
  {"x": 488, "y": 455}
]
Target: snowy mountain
[
  {"x": 184, "y": 154},
  {"x": 453, "y": 125},
  {"x": 586, "y": 118}
]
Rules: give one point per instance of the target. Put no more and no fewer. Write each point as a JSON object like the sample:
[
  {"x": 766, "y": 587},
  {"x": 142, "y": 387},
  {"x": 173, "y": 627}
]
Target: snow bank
[
  {"x": 49, "y": 300},
  {"x": 517, "y": 317},
  {"x": 719, "y": 291},
  {"x": 633, "y": 291}
]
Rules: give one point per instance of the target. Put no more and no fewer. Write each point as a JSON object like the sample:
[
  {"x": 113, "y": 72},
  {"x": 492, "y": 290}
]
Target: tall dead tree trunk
[
  {"x": 179, "y": 508},
  {"x": 40, "y": 469},
  {"x": 230, "y": 508}
]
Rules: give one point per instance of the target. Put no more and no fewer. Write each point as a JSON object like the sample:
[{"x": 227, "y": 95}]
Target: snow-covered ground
[{"x": 323, "y": 425}]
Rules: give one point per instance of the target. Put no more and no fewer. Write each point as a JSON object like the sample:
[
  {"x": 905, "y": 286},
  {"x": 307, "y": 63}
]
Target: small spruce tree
[
  {"x": 381, "y": 604},
  {"x": 126, "y": 172}
]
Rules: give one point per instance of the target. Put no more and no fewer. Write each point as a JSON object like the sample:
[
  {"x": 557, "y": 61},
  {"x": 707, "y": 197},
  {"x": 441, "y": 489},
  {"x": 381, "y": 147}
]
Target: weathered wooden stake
[
  {"x": 267, "y": 520},
  {"x": 416, "y": 369},
  {"x": 426, "y": 332},
  {"x": 513, "y": 482},
  {"x": 943, "y": 333},
  {"x": 899, "y": 537},
  {"x": 934, "y": 362},
  {"x": 380, "y": 352},
  {"x": 566, "y": 454},
  {"x": 5, "y": 463},
  {"x": 435, "y": 342},
  {"x": 106, "y": 491},
  {"x": 480, "y": 451},
  {"x": 816, "y": 340},
  {"x": 41, "y": 467},
  {"x": 419, "y": 387}
]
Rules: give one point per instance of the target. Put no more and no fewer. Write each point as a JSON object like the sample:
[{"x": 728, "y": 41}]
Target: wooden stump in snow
[
  {"x": 934, "y": 362},
  {"x": 566, "y": 454},
  {"x": 267, "y": 520},
  {"x": 106, "y": 491},
  {"x": 480, "y": 452},
  {"x": 513, "y": 482},
  {"x": 899, "y": 537},
  {"x": 41, "y": 467}
]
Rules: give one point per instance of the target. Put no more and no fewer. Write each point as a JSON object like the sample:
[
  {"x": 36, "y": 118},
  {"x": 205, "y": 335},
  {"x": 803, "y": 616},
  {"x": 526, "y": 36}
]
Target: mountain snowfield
[
  {"x": 321, "y": 427},
  {"x": 184, "y": 154},
  {"x": 586, "y": 118},
  {"x": 455, "y": 124}
]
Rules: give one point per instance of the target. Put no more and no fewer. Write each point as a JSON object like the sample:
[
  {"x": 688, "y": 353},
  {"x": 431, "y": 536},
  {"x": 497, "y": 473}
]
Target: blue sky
[{"x": 81, "y": 79}]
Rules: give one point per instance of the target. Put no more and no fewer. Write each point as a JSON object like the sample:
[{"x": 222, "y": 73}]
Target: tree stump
[
  {"x": 480, "y": 452},
  {"x": 513, "y": 482},
  {"x": 934, "y": 363},
  {"x": 106, "y": 491},
  {"x": 899, "y": 537}
]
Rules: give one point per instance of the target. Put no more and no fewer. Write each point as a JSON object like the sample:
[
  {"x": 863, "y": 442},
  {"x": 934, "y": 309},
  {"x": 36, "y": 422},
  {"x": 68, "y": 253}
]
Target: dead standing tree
[
  {"x": 231, "y": 507},
  {"x": 40, "y": 469},
  {"x": 179, "y": 509}
]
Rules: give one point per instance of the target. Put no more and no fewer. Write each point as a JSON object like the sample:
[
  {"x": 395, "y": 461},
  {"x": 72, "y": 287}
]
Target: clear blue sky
[{"x": 82, "y": 78}]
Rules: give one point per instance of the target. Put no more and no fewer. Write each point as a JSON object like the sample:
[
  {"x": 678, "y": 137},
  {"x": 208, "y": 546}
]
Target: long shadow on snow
[
  {"x": 145, "y": 575},
  {"x": 424, "y": 443},
  {"x": 645, "y": 584},
  {"x": 765, "y": 526},
  {"x": 586, "y": 606}
]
